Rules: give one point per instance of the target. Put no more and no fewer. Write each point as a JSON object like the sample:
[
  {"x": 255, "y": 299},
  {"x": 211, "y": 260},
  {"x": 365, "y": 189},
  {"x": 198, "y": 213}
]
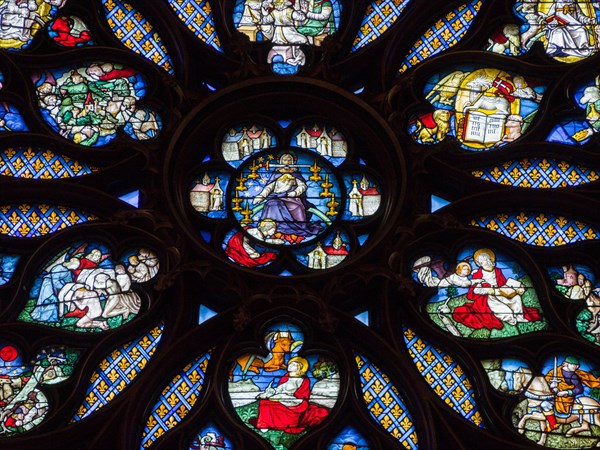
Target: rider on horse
[{"x": 566, "y": 381}]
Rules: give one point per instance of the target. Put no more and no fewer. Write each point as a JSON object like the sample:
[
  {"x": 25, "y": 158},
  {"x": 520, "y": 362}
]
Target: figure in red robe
[
  {"x": 240, "y": 249},
  {"x": 495, "y": 299},
  {"x": 286, "y": 407},
  {"x": 64, "y": 32}
]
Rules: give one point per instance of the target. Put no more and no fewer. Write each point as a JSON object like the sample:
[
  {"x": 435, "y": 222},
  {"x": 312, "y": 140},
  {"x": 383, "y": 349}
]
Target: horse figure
[
  {"x": 279, "y": 343},
  {"x": 585, "y": 410}
]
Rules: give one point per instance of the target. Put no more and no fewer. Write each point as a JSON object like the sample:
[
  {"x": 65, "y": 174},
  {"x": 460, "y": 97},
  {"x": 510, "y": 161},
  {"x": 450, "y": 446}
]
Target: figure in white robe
[
  {"x": 460, "y": 277},
  {"x": 17, "y": 19},
  {"x": 566, "y": 30}
]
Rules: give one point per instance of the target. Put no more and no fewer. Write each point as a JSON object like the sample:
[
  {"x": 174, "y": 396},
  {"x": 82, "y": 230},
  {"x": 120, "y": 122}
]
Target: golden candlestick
[
  {"x": 315, "y": 170},
  {"x": 236, "y": 202},
  {"x": 326, "y": 185},
  {"x": 241, "y": 187},
  {"x": 253, "y": 175},
  {"x": 247, "y": 212},
  {"x": 331, "y": 204}
]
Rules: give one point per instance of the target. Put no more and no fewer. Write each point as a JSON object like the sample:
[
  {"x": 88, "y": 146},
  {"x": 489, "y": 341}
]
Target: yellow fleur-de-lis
[
  {"x": 386, "y": 422},
  {"x": 406, "y": 424},
  {"x": 376, "y": 409}
]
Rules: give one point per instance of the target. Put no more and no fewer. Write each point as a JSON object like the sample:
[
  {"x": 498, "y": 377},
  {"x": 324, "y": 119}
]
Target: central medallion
[{"x": 285, "y": 197}]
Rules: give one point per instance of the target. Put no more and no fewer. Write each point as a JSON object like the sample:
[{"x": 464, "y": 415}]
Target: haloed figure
[
  {"x": 285, "y": 201},
  {"x": 286, "y": 407}
]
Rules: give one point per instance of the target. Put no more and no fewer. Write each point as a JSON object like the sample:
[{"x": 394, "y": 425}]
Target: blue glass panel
[
  {"x": 539, "y": 229},
  {"x": 385, "y": 404},
  {"x": 132, "y": 198},
  {"x": 363, "y": 317},
  {"x": 176, "y": 401},
  {"x": 445, "y": 377},
  {"x": 11, "y": 119},
  {"x": 209, "y": 86},
  {"x": 41, "y": 164},
  {"x": 445, "y": 33},
  {"x": 205, "y": 313},
  {"x": 70, "y": 31},
  {"x": 538, "y": 173},
  {"x": 438, "y": 203},
  {"x": 348, "y": 439},
  {"x": 280, "y": 67},
  {"x": 571, "y": 132},
  {"x": 117, "y": 370},
  {"x": 210, "y": 438},
  {"x": 8, "y": 266},
  {"x": 198, "y": 17},
  {"x": 29, "y": 220},
  {"x": 379, "y": 17}
]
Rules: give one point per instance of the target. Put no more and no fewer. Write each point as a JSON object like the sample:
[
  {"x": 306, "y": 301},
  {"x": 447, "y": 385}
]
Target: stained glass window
[{"x": 299, "y": 224}]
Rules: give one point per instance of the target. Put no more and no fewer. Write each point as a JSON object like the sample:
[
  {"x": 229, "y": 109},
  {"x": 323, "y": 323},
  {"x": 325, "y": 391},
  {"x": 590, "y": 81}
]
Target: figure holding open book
[{"x": 495, "y": 300}]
